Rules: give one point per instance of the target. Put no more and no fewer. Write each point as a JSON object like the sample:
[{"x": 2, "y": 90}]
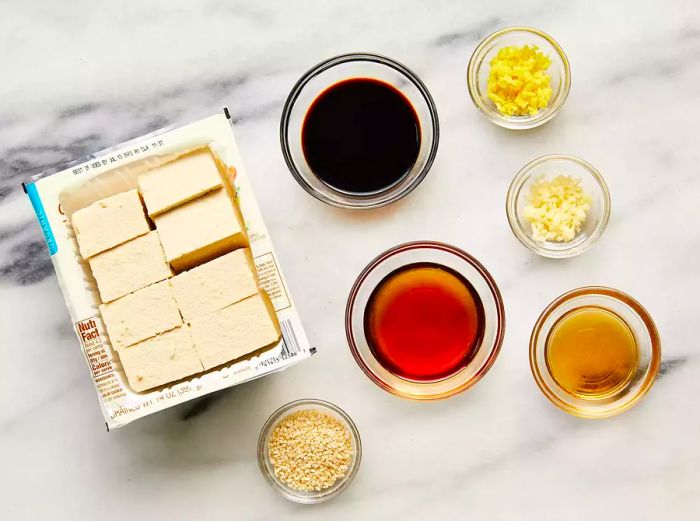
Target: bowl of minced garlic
[
  {"x": 519, "y": 77},
  {"x": 309, "y": 450},
  {"x": 558, "y": 206}
]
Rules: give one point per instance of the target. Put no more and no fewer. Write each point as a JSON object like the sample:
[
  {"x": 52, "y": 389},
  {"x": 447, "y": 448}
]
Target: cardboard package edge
[{"x": 48, "y": 191}]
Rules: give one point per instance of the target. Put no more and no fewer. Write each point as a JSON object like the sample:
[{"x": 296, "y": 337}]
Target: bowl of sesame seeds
[{"x": 309, "y": 450}]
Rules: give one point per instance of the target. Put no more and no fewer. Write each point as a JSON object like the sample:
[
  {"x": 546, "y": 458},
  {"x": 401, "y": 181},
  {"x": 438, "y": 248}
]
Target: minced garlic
[
  {"x": 310, "y": 450},
  {"x": 556, "y": 209},
  {"x": 518, "y": 81}
]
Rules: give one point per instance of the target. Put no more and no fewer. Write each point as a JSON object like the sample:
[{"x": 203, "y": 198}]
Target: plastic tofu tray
[{"x": 55, "y": 195}]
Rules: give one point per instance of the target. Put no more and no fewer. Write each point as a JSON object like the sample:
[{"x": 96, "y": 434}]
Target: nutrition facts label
[
  {"x": 271, "y": 281},
  {"x": 99, "y": 360}
]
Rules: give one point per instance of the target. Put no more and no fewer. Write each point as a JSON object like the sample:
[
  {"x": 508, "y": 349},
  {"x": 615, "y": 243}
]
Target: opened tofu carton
[{"x": 167, "y": 269}]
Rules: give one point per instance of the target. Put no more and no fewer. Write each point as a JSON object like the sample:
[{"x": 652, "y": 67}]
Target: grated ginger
[
  {"x": 556, "y": 209},
  {"x": 518, "y": 81}
]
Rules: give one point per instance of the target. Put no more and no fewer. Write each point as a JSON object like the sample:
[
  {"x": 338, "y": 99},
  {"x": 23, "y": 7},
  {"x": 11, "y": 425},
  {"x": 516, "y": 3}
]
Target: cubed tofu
[
  {"x": 235, "y": 331},
  {"x": 200, "y": 230},
  {"x": 179, "y": 181},
  {"x": 141, "y": 315},
  {"x": 160, "y": 360},
  {"x": 130, "y": 266},
  {"x": 109, "y": 222},
  {"x": 215, "y": 284}
]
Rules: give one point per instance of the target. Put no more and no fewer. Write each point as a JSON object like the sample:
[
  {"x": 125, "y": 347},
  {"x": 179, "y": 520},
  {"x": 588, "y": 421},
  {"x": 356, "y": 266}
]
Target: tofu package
[{"x": 167, "y": 269}]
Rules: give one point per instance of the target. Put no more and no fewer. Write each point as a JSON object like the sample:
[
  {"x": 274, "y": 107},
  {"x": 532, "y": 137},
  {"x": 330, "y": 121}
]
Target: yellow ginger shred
[
  {"x": 556, "y": 209},
  {"x": 518, "y": 81}
]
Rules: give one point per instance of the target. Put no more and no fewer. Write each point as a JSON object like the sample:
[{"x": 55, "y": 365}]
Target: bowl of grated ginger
[{"x": 519, "y": 77}]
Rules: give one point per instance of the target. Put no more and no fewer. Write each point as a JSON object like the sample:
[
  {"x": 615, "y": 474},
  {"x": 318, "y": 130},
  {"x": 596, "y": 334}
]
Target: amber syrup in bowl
[
  {"x": 359, "y": 131},
  {"x": 425, "y": 320},
  {"x": 595, "y": 352}
]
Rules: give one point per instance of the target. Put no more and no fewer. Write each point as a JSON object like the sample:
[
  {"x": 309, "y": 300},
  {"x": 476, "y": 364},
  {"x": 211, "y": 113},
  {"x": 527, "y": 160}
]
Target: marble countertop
[{"x": 79, "y": 76}]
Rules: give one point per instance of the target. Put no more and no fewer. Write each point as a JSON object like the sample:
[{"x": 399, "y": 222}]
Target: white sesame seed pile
[{"x": 310, "y": 450}]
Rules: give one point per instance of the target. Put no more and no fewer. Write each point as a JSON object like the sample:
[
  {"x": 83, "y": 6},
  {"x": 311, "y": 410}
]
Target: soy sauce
[
  {"x": 361, "y": 136},
  {"x": 424, "y": 322}
]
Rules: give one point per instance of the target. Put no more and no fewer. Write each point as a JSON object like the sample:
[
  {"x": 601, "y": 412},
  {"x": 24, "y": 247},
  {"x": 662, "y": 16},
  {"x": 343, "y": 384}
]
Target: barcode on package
[{"x": 290, "y": 346}]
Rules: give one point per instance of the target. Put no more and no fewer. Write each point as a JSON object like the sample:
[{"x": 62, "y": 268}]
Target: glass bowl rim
[
  {"x": 287, "y": 492},
  {"x": 639, "y": 310},
  {"x": 362, "y": 203},
  {"x": 494, "y": 116},
  {"x": 495, "y": 348},
  {"x": 511, "y": 207}
]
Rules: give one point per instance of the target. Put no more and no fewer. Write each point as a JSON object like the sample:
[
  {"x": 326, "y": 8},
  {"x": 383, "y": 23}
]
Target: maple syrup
[{"x": 423, "y": 322}]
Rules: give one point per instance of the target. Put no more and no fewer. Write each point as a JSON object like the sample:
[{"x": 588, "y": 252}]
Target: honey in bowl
[
  {"x": 591, "y": 353},
  {"x": 423, "y": 322},
  {"x": 361, "y": 136}
]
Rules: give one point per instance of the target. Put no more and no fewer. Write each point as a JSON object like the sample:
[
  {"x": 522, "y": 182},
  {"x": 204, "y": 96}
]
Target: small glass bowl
[
  {"x": 335, "y": 70},
  {"x": 551, "y": 166},
  {"x": 479, "y": 68},
  {"x": 444, "y": 255},
  {"x": 268, "y": 471},
  {"x": 648, "y": 347}
]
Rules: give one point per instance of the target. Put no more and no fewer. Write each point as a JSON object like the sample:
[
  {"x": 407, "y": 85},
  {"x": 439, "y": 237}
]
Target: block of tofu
[
  {"x": 200, "y": 230},
  {"x": 235, "y": 331},
  {"x": 160, "y": 360},
  {"x": 215, "y": 284},
  {"x": 141, "y": 315},
  {"x": 130, "y": 266},
  {"x": 109, "y": 222},
  {"x": 179, "y": 181}
]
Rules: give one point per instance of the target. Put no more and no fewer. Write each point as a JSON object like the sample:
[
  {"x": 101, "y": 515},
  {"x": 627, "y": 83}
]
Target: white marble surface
[{"x": 81, "y": 75}]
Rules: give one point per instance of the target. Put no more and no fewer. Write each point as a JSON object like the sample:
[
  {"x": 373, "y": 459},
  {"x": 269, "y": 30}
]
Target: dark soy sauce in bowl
[{"x": 361, "y": 136}]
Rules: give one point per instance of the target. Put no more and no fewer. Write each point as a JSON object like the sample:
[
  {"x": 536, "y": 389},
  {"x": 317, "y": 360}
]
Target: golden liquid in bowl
[{"x": 591, "y": 353}]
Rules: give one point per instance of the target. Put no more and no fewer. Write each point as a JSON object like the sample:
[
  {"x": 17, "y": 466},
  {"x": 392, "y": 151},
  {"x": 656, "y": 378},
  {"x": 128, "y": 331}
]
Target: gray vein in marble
[
  {"x": 670, "y": 364},
  {"x": 469, "y": 35},
  {"x": 656, "y": 69},
  {"x": 20, "y": 162},
  {"x": 246, "y": 10},
  {"x": 26, "y": 262},
  {"x": 13, "y": 231},
  {"x": 689, "y": 33},
  {"x": 225, "y": 84},
  {"x": 77, "y": 110},
  {"x": 261, "y": 111}
]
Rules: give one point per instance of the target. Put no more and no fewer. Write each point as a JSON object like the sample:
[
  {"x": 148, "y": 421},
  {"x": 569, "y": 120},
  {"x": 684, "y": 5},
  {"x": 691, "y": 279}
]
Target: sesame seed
[{"x": 310, "y": 450}]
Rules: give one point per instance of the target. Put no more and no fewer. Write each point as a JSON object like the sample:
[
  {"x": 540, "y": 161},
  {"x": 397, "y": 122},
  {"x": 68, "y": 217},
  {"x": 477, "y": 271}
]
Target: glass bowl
[
  {"x": 267, "y": 469},
  {"x": 456, "y": 260},
  {"x": 479, "y": 68},
  {"x": 344, "y": 67},
  {"x": 591, "y": 182},
  {"x": 646, "y": 337}
]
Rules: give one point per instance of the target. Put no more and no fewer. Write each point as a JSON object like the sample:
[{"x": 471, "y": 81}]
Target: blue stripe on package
[{"x": 41, "y": 216}]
